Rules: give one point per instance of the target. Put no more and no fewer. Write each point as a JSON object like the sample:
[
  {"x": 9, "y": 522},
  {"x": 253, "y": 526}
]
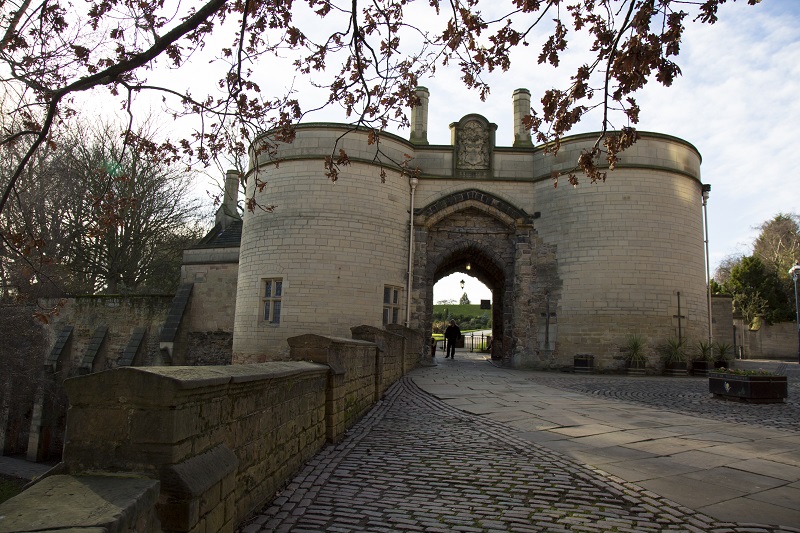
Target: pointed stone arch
[
  {"x": 439, "y": 209},
  {"x": 499, "y": 241},
  {"x": 488, "y": 269}
]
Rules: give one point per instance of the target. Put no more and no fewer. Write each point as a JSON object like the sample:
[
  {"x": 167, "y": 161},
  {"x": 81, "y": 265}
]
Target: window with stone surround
[
  {"x": 391, "y": 304},
  {"x": 271, "y": 293}
]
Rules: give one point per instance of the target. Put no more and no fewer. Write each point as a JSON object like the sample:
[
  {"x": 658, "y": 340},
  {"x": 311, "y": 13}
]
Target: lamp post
[
  {"x": 794, "y": 272},
  {"x": 462, "y": 283},
  {"x": 706, "y": 191}
]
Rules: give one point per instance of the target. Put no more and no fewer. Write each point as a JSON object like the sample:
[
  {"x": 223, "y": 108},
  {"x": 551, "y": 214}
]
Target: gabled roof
[{"x": 221, "y": 237}]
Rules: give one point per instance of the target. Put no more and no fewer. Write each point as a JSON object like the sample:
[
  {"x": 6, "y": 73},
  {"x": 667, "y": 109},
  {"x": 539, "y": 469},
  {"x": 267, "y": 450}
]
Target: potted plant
[
  {"x": 703, "y": 358},
  {"x": 635, "y": 357},
  {"x": 673, "y": 353},
  {"x": 756, "y": 386},
  {"x": 724, "y": 353}
]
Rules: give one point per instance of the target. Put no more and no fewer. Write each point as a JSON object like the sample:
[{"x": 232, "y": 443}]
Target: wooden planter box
[
  {"x": 700, "y": 368},
  {"x": 676, "y": 369},
  {"x": 583, "y": 364},
  {"x": 636, "y": 369},
  {"x": 756, "y": 389}
]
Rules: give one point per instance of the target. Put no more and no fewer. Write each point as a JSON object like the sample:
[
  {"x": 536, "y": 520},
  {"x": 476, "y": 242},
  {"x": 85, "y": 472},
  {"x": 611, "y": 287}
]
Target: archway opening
[
  {"x": 485, "y": 281},
  {"x": 448, "y": 290}
]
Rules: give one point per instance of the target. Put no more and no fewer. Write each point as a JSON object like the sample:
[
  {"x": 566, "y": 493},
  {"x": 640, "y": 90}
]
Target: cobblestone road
[
  {"x": 416, "y": 464},
  {"x": 688, "y": 395}
]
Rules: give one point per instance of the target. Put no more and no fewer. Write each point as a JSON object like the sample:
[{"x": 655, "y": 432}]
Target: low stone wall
[
  {"x": 772, "y": 341},
  {"x": 389, "y": 358},
  {"x": 219, "y": 440},
  {"x": 350, "y": 388},
  {"x": 233, "y": 431}
]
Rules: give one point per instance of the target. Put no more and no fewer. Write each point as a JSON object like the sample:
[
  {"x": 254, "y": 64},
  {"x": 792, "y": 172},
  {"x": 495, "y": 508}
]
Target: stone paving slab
[
  {"x": 681, "y": 422},
  {"x": 415, "y": 463}
]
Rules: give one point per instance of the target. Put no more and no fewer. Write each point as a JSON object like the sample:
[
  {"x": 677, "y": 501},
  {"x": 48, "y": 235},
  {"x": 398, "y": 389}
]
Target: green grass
[
  {"x": 10, "y": 487},
  {"x": 471, "y": 310}
]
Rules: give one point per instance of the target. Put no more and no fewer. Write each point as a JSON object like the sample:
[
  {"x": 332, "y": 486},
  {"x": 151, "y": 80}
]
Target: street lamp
[
  {"x": 706, "y": 191},
  {"x": 462, "y": 283},
  {"x": 795, "y": 272}
]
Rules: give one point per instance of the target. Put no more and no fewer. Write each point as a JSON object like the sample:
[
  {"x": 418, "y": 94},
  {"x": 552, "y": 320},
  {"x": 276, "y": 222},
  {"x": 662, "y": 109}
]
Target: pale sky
[{"x": 736, "y": 101}]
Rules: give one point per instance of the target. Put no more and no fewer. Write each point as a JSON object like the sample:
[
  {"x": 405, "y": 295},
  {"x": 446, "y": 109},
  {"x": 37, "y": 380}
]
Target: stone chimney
[
  {"x": 419, "y": 117},
  {"x": 228, "y": 212},
  {"x": 522, "y": 108}
]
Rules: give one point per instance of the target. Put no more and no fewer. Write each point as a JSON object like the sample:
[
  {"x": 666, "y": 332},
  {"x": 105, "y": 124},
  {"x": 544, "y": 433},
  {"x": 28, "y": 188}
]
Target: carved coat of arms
[{"x": 473, "y": 146}]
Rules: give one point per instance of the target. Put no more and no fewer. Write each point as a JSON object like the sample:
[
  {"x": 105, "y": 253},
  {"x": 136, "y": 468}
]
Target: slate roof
[{"x": 220, "y": 237}]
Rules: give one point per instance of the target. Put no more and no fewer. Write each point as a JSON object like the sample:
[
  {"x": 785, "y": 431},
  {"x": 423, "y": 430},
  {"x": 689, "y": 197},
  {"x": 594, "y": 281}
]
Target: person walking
[{"x": 451, "y": 334}]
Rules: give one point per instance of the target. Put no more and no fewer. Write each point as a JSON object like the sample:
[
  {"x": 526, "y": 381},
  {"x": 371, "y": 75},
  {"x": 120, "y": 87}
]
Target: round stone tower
[{"x": 329, "y": 256}]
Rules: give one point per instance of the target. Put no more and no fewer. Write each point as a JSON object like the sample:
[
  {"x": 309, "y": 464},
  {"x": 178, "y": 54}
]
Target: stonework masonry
[
  {"x": 571, "y": 270},
  {"x": 120, "y": 315},
  {"x": 196, "y": 449}
]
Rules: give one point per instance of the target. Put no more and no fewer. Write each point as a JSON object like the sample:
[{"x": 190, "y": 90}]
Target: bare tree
[
  {"x": 135, "y": 215},
  {"x": 723, "y": 271},
  {"x": 49, "y": 51},
  {"x": 96, "y": 214},
  {"x": 778, "y": 243}
]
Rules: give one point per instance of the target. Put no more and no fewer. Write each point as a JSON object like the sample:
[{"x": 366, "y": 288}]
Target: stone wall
[
  {"x": 121, "y": 315},
  {"x": 351, "y": 387},
  {"x": 571, "y": 270},
  {"x": 629, "y": 251},
  {"x": 772, "y": 341},
  {"x": 220, "y": 440},
  {"x": 722, "y": 319},
  {"x": 335, "y": 247},
  {"x": 213, "y": 273},
  {"x": 106, "y": 332},
  {"x": 208, "y": 348},
  {"x": 240, "y": 430},
  {"x": 389, "y": 357}
]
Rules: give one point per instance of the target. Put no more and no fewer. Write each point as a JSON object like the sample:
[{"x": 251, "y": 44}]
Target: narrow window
[
  {"x": 391, "y": 305},
  {"x": 272, "y": 290}
]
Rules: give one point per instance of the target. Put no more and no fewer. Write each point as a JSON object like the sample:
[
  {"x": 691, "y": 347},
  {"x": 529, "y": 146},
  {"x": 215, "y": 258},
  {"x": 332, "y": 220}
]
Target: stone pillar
[
  {"x": 351, "y": 378},
  {"x": 419, "y": 117},
  {"x": 522, "y": 108},
  {"x": 389, "y": 355}
]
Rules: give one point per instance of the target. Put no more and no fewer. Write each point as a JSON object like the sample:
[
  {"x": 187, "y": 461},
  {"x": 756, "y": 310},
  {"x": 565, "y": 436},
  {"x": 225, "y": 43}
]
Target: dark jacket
[{"x": 452, "y": 333}]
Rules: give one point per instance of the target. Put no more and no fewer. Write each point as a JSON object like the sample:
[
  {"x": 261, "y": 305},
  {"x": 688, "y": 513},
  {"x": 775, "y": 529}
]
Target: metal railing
[{"x": 474, "y": 342}]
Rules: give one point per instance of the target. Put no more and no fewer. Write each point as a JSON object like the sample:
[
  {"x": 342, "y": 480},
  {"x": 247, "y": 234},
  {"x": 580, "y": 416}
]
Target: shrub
[
  {"x": 634, "y": 346},
  {"x": 673, "y": 351},
  {"x": 705, "y": 351}
]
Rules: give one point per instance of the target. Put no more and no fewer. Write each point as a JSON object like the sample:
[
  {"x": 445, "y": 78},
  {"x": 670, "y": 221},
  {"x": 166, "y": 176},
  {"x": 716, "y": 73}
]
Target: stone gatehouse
[{"x": 571, "y": 270}]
